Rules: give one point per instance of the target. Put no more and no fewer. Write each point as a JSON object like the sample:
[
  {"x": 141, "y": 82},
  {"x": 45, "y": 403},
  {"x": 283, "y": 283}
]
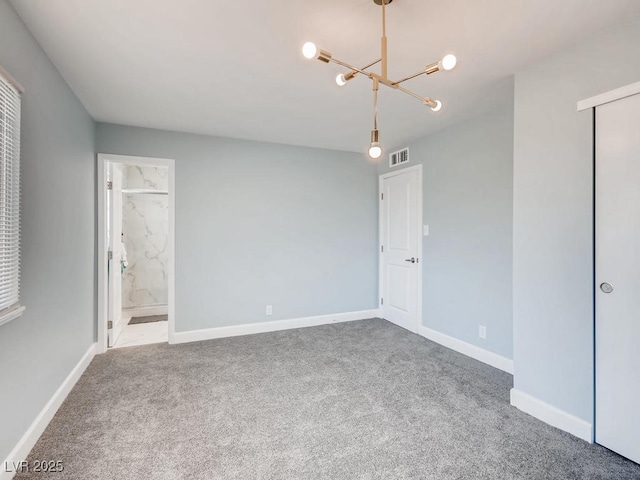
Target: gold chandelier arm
[
  {"x": 353, "y": 73},
  {"x": 408, "y": 78},
  {"x": 426, "y": 100},
  {"x": 428, "y": 70},
  {"x": 372, "y": 64},
  {"x": 351, "y": 67},
  {"x": 409, "y": 92}
]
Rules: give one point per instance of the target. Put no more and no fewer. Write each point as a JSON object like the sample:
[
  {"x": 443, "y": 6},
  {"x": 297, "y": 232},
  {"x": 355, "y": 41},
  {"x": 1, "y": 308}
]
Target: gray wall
[
  {"x": 467, "y": 192},
  {"x": 553, "y": 221},
  {"x": 260, "y": 223},
  {"x": 39, "y": 349}
]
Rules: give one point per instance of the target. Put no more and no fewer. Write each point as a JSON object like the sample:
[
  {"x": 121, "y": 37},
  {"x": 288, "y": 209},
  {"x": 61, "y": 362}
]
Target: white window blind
[{"x": 9, "y": 200}]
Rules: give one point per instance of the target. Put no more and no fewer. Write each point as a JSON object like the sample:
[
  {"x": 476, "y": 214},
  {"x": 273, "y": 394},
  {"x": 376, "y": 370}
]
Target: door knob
[
  {"x": 606, "y": 287},
  {"x": 412, "y": 260}
]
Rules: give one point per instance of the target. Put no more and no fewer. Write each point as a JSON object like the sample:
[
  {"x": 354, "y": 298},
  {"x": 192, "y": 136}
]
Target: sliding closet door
[{"x": 618, "y": 276}]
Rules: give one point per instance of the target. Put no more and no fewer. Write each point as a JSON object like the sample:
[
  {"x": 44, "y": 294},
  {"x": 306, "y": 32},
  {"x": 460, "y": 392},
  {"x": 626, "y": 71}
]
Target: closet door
[{"x": 618, "y": 276}]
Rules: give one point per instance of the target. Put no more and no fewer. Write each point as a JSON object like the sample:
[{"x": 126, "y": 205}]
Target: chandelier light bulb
[
  {"x": 438, "y": 106},
  {"x": 375, "y": 151},
  {"x": 309, "y": 50},
  {"x": 340, "y": 80},
  {"x": 449, "y": 62}
]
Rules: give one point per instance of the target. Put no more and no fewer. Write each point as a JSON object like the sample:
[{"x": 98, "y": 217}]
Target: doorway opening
[{"x": 136, "y": 263}]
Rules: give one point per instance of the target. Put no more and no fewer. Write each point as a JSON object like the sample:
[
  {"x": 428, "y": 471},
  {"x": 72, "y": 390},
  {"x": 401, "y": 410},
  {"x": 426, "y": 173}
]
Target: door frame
[
  {"x": 418, "y": 233},
  {"x": 115, "y": 275},
  {"x": 103, "y": 284}
]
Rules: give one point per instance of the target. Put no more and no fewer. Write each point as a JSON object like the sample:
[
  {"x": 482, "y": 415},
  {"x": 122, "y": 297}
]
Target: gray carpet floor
[{"x": 360, "y": 400}]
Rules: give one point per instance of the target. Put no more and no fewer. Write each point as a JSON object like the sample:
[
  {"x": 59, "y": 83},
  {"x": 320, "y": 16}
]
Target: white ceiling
[{"x": 233, "y": 68}]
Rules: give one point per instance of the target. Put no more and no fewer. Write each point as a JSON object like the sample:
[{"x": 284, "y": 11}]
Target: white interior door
[
  {"x": 618, "y": 276},
  {"x": 114, "y": 244},
  {"x": 400, "y": 247}
]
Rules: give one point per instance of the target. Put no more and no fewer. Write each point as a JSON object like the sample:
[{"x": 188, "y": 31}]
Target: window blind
[{"x": 9, "y": 198}]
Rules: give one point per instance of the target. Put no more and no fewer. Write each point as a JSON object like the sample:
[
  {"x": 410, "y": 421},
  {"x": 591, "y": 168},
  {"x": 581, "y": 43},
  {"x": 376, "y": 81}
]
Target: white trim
[
  {"x": 118, "y": 328},
  {"x": 609, "y": 97},
  {"x": 31, "y": 436},
  {"x": 145, "y": 311},
  {"x": 498, "y": 361},
  {"x": 103, "y": 286},
  {"x": 552, "y": 415},
  {"x": 12, "y": 314},
  {"x": 381, "y": 179},
  {"x": 274, "y": 326},
  {"x": 143, "y": 191}
]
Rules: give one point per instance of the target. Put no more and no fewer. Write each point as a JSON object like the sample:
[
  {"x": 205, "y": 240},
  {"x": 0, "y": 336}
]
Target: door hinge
[
  {"x": 109, "y": 185},
  {"x": 382, "y": 301},
  {"x": 110, "y": 325},
  {"x": 109, "y": 255},
  {"x": 381, "y": 248},
  {"x": 382, "y": 196}
]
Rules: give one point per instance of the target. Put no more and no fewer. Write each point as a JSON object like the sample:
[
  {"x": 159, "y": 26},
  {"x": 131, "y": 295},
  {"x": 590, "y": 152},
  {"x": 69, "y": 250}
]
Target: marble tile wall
[
  {"x": 152, "y": 178},
  {"x": 145, "y": 227}
]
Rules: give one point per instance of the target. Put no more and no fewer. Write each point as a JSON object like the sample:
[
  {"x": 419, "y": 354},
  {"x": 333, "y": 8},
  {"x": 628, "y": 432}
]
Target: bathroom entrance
[{"x": 136, "y": 232}]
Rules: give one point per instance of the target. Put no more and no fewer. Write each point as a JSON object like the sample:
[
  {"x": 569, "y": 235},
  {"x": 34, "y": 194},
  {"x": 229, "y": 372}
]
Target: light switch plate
[{"x": 425, "y": 230}]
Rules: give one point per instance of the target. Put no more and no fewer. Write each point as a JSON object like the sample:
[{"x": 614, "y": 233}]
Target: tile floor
[{"x": 142, "y": 334}]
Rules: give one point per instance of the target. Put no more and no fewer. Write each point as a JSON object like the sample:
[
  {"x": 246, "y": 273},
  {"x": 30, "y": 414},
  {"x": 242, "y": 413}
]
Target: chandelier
[{"x": 309, "y": 50}]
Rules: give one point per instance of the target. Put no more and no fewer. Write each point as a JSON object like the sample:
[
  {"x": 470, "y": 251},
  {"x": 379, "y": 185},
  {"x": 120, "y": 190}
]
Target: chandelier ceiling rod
[{"x": 383, "y": 42}]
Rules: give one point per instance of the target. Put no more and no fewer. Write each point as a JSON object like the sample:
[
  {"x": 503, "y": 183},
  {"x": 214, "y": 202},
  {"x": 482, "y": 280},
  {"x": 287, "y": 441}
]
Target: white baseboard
[
  {"x": 145, "y": 311},
  {"x": 552, "y": 415},
  {"x": 31, "y": 436},
  {"x": 468, "y": 349},
  {"x": 274, "y": 326}
]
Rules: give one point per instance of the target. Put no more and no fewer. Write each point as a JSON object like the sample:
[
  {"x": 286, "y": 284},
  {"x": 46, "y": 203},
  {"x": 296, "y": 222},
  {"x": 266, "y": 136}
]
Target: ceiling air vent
[{"x": 399, "y": 157}]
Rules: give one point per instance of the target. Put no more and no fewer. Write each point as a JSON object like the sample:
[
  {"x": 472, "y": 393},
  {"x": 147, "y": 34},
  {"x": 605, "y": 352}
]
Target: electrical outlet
[
  {"x": 269, "y": 309},
  {"x": 482, "y": 332}
]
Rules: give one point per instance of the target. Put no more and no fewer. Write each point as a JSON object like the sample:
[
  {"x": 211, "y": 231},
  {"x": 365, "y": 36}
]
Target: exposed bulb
[
  {"x": 309, "y": 50},
  {"x": 438, "y": 106},
  {"x": 340, "y": 80},
  {"x": 375, "y": 151},
  {"x": 448, "y": 62}
]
